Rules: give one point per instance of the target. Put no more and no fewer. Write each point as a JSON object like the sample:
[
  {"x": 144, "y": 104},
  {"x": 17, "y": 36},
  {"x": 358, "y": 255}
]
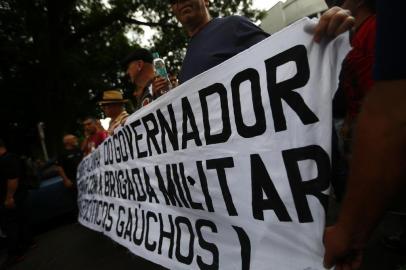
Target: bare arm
[
  {"x": 376, "y": 175},
  {"x": 12, "y": 185},
  {"x": 66, "y": 181},
  {"x": 378, "y": 166}
]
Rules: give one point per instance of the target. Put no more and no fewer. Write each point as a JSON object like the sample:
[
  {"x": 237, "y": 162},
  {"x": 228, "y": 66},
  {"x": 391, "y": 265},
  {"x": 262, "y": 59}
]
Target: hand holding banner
[{"x": 231, "y": 169}]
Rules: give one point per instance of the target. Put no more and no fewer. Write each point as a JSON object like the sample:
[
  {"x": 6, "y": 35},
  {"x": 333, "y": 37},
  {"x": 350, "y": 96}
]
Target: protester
[
  {"x": 215, "y": 40},
  {"x": 378, "y": 170},
  {"x": 113, "y": 105},
  {"x": 173, "y": 78},
  {"x": 356, "y": 78},
  {"x": 13, "y": 216},
  {"x": 69, "y": 160},
  {"x": 141, "y": 72},
  {"x": 95, "y": 135},
  {"x": 355, "y": 82}
]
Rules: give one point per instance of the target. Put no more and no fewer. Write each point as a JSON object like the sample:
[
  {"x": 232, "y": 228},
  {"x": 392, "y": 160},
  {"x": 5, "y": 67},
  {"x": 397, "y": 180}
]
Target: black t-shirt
[
  {"x": 10, "y": 168},
  {"x": 69, "y": 161},
  {"x": 145, "y": 99},
  {"x": 219, "y": 40}
]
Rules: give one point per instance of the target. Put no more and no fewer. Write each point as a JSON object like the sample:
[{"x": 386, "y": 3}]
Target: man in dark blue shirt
[
  {"x": 215, "y": 40},
  {"x": 236, "y": 34}
]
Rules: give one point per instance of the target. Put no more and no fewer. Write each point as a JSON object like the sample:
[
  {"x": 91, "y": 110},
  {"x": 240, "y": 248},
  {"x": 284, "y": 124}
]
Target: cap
[{"x": 137, "y": 54}]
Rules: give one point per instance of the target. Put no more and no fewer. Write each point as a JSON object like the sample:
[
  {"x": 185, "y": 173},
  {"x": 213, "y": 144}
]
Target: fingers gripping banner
[{"x": 228, "y": 171}]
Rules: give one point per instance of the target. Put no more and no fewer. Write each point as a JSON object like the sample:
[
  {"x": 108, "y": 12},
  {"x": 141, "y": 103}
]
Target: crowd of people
[
  {"x": 14, "y": 183},
  {"x": 370, "y": 137}
]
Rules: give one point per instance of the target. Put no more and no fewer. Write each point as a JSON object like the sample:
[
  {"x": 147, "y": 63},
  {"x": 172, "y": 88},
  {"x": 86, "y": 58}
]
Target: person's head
[
  {"x": 139, "y": 67},
  {"x": 112, "y": 103},
  {"x": 90, "y": 125},
  {"x": 192, "y": 14},
  {"x": 357, "y": 6},
  {"x": 70, "y": 141},
  {"x": 173, "y": 78}
]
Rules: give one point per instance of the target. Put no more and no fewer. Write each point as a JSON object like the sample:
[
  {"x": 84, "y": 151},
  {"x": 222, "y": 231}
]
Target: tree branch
[
  {"x": 103, "y": 22},
  {"x": 152, "y": 24}
]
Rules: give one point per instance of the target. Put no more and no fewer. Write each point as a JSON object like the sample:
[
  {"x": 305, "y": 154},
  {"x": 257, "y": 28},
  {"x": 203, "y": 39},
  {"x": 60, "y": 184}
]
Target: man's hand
[
  {"x": 340, "y": 250},
  {"x": 332, "y": 23},
  {"x": 65, "y": 180},
  {"x": 9, "y": 203},
  {"x": 68, "y": 183},
  {"x": 159, "y": 86}
]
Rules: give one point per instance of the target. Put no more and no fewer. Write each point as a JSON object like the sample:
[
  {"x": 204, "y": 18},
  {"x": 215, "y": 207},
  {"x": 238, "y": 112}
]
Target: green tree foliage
[{"x": 56, "y": 55}]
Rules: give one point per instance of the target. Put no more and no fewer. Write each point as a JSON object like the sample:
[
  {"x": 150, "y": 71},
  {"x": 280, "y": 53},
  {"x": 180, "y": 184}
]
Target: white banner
[{"x": 231, "y": 169}]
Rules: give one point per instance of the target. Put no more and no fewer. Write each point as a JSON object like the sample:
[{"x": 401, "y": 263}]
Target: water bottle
[{"x": 160, "y": 70}]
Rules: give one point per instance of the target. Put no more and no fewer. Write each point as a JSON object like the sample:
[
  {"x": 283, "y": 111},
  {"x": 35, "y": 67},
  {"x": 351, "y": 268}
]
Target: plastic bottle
[{"x": 160, "y": 69}]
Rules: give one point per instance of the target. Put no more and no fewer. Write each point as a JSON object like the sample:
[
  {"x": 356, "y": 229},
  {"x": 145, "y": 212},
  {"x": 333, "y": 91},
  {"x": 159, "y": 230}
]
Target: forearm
[
  {"x": 62, "y": 174},
  {"x": 65, "y": 180},
  {"x": 12, "y": 185},
  {"x": 378, "y": 162}
]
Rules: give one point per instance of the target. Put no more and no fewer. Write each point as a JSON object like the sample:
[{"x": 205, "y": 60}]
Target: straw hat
[{"x": 112, "y": 96}]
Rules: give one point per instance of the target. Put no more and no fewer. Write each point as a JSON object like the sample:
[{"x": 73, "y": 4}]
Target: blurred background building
[{"x": 285, "y": 13}]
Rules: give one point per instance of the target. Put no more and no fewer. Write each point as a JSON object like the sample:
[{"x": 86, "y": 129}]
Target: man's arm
[
  {"x": 377, "y": 173},
  {"x": 66, "y": 181},
  {"x": 12, "y": 185}
]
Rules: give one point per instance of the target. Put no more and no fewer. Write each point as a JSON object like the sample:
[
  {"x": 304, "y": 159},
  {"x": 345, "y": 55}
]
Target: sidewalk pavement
[{"x": 74, "y": 247}]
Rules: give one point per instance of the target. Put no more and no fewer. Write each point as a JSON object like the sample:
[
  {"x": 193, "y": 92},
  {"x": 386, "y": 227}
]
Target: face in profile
[
  {"x": 112, "y": 109},
  {"x": 89, "y": 125},
  {"x": 174, "y": 80},
  {"x": 70, "y": 142},
  {"x": 133, "y": 70}
]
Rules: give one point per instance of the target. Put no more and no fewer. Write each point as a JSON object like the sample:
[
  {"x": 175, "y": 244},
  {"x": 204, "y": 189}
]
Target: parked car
[{"x": 50, "y": 201}]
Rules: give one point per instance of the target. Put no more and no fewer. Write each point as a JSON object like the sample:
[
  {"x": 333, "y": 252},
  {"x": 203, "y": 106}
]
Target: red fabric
[
  {"x": 94, "y": 140},
  {"x": 99, "y": 137},
  {"x": 357, "y": 76}
]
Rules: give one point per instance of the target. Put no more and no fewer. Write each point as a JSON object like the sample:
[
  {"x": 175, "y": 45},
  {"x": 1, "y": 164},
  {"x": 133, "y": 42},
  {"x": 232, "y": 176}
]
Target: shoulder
[
  {"x": 123, "y": 117},
  {"x": 244, "y": 27},
  {"x": 369, "y": 26},
  {"x": 102, "y": 134},
  {"x": 125, "y": 114},
  {"x": 365, "y": 37},
  {"x": 235, "y": 21},
  {"x": 146, "y": 99}
]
